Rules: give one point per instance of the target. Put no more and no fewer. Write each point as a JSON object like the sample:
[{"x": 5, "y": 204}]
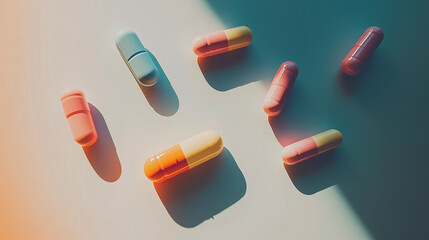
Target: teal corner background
[{"x": 382, "y": 166}]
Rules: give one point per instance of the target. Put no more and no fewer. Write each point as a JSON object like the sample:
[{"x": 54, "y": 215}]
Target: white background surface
[{"x": 56, "y": 45}]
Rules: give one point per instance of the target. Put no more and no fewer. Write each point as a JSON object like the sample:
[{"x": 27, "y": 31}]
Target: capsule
[
  {"x": 79, "y": 117},
  {"x": 280, "y": 88},
  {"x": 137, "y": 58},
  {"x": 183, "y": 156},
  {"x": 222, "y": 41},
  {"x": 362, "y": 50},
  {"x": 312, "y": 146}
]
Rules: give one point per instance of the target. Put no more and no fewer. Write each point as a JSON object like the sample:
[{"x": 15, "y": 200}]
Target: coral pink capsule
[
  {"x": 362, "y": 50},
  {"x": 280, "y": 88},
  {"x": 79, "y": 117},
  {"x": 312, "y": 146},
  {"x": 222, "y": 41}
]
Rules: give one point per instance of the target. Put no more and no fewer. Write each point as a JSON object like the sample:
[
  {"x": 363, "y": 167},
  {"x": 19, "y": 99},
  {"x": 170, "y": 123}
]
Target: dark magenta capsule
[{"x": 362, "y": 50}]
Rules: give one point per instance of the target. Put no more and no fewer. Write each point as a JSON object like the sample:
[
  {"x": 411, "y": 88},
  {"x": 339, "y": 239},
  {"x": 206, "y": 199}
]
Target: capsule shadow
[
  {"x": 232, "y": 69},
  {"x": 350, "y": 84},
  {"x": 317, "y": 173},
  {"x": 102, "y": 155},
  {"x": 198, "y": 194},
  {"x": 292, "y": 122},
  {"x": 161, "y": 96}
]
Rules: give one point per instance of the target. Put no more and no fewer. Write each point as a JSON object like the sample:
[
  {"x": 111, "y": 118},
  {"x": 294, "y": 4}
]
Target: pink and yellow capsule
[
  {"x": 222, "y": 41},
  {"x": 312, "y": 146},
  {"x": 280, "y": 88}
]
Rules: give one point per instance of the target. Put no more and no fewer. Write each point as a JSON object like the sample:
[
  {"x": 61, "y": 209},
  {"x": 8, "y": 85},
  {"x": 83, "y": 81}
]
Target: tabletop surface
[{"x": 374, "y": 186}]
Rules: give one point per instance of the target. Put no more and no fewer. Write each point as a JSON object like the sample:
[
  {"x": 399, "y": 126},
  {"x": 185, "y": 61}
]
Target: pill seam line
[
  {"x": 76, "y": 112},
  {"x": 71, "y": 95},
  {"x": 276, "y": 80},
  {"x": 135, "y": 54}
]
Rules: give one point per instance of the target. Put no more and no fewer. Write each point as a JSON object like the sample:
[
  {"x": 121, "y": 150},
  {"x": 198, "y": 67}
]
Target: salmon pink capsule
[
  {"x": 362, "y": 50},
  {"x": 79, "y": 117},
  {"x": 280, "y": 88}
]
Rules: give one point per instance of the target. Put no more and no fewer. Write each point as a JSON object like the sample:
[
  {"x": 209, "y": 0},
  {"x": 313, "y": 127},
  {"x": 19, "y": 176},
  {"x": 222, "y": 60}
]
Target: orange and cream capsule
[
  {"x": 312, "y": 146},
  {"x": 183, "y": 156},
  {"x": 222, "y": 41}
]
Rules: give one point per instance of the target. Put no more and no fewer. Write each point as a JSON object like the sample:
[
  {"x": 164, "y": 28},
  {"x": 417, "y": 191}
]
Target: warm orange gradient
[
  {"x": 17, "y": 217},
  {"x": 25, "y": 205}
]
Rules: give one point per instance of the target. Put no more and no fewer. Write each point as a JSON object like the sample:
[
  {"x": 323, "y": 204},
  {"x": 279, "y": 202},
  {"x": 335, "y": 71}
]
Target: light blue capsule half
[{"x": 137, "y": 58}]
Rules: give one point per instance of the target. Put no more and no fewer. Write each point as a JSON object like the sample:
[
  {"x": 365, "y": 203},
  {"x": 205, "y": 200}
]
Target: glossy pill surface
[
  {"x": 312, "y": 146},
  {"x": 137, "y": 58},
  {"x": 222, "y": 41},
  {"x": 79, "y": 117},
  {"x": 183, "y": 156},
  {"x": 280, "y": 88},
  {"x": 357, "y": 57}
]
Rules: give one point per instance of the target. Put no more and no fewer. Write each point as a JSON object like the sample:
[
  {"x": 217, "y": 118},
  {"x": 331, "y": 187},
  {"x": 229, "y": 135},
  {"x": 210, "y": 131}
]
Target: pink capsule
[
  {"x": 362, "y": 50},
  {"x": 79, "y": 116},
  {"x": 280, "y": 88}
]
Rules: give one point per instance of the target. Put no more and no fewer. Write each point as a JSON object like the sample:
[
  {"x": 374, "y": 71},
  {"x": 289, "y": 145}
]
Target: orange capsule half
[
  {"x": 79, "y": 117},
  {"x": 183, "y": 156},
  {"x": 222, "y": 41}
]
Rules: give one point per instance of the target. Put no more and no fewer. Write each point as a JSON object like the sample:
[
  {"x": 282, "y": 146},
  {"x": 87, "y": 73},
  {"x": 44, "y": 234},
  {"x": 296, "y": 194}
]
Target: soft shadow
[
  {"x": 317, "y": 173},
  {"x": 161, "y": 96},
  {"x": 232, "y": 69},
  {"x": 200, "y": 193},
  {"x": 350, "y": 84},
  {"x": 102, "y": 155},
  {"x": 285, "y": 133},
  {"x": 291, "y": 124}
]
